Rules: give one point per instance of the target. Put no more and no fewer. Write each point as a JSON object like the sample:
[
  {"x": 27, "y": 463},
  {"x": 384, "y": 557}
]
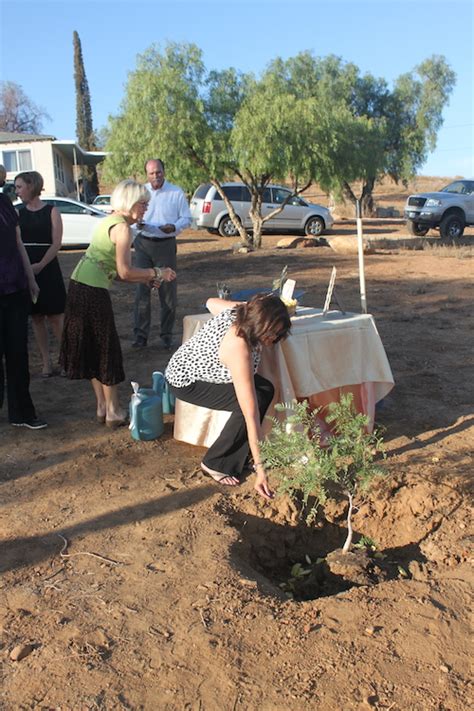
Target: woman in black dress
[{"x": 41, "y": 231}]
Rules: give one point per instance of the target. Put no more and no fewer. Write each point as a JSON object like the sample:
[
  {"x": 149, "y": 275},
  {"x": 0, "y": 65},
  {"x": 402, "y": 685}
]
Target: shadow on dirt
[
  {"x": 302, "y": 562},
  {"x": 31, "y": 550},
  {"x": 417, "y": 444}
]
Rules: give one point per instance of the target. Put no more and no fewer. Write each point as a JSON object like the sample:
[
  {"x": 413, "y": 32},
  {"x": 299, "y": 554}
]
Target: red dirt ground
[{"x": 183, "y": 609}]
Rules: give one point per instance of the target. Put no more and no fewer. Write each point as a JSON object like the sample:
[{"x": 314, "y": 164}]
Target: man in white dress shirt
[{"x": 155, "y": 246}]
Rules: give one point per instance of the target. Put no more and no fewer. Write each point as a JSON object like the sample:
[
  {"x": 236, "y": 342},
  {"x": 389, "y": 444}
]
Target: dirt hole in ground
[{"x": 303, "y": 562}]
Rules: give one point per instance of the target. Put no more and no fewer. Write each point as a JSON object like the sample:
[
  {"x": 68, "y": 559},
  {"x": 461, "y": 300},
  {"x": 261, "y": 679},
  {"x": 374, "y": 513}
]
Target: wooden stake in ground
[{"x": 360, "y": 249}]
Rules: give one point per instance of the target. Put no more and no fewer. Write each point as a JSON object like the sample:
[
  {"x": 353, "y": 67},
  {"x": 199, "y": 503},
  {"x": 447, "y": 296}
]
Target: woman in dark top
[
  {"x": 17, "y": 284},
  {"x": 41, "y": 231}
]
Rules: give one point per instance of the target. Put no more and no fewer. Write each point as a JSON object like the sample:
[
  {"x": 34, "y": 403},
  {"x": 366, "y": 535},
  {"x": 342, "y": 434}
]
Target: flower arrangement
[
  {"x": 278, "y": 285},
  {"x": 290, "y": 304}
]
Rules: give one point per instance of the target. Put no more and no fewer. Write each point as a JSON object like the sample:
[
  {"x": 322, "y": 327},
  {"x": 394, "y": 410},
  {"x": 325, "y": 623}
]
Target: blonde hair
[
  {"x": 127, "y": 194},
  {"x": 33, "y": 179}
]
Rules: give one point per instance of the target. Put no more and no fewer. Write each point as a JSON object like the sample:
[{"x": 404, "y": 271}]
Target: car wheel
[
  {"x": 227, "y": 227},
  {"x": 314, "y": 227},
  {"x": 415, "y": 228},
  {"x": 452, "y": 226}
]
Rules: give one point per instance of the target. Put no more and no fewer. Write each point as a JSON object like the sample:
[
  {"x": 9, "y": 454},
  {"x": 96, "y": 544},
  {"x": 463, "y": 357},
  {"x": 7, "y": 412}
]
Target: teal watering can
[
  {"x": 146, "y": 409},
  {"x": 168, "y": 400}
]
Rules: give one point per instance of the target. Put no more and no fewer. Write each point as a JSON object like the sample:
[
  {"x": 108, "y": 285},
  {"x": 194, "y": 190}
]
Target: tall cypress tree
[{"x": 84, "y": 128}]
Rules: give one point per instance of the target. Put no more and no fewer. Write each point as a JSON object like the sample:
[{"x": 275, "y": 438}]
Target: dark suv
[{"x": 450, "y": 209}]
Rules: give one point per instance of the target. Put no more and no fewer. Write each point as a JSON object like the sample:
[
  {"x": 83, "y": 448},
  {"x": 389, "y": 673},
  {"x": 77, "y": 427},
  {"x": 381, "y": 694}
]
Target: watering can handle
[{"x": 158, "y": 380}]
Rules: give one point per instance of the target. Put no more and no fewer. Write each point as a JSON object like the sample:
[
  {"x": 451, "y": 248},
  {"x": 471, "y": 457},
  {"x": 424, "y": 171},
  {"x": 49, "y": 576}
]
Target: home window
[
  {"x": 15, "y": 161},
  {"x": 59, "y": 168}
]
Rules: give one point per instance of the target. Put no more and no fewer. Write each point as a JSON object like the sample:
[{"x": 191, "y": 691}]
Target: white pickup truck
[{"x": 451, "y": 210}]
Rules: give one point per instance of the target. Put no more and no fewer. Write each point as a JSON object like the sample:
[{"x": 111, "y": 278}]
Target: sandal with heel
[{"x": 219, "y": 477}]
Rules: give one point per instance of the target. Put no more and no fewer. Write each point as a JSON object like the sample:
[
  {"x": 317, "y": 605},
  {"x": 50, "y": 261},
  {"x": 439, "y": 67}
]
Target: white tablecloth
[{"x": 323, "y": 357}]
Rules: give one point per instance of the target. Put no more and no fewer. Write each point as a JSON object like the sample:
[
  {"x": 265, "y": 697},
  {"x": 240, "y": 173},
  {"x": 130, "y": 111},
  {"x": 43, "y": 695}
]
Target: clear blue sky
[{"x": 384, "y": 37}]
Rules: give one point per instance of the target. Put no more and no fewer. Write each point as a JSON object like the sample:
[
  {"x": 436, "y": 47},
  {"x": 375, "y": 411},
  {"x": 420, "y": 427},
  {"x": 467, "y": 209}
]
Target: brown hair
[
  {"x": 264, "y": 316},
  {"x": 33, "y": 179}
]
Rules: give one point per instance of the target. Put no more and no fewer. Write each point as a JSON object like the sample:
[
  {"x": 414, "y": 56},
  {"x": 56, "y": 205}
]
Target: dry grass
[{"x": 462, "y": 251}]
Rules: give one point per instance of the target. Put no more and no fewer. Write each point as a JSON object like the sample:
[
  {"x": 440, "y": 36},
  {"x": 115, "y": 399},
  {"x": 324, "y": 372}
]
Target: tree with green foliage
[
  {"x": 378, "y": 131},
  {"x": 211, "y": 126},
  {"x": 305, "y": 119},
  {"x": 175, "y": 110},
  {"x": 84, "y": 127}
]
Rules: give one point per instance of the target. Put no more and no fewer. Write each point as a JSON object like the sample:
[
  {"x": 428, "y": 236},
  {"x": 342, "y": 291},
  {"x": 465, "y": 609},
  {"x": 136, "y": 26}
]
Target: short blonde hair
[
  {"x": 33, "y": 179},
  {"x": 127, "y": 194}
]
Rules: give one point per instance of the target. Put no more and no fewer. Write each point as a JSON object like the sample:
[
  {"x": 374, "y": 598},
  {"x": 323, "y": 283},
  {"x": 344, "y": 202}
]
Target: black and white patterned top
[{"x": 198, "y": 358}]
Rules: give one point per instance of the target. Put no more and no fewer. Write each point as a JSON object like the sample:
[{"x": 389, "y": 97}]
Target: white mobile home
[{"x": 59, "y": 162}]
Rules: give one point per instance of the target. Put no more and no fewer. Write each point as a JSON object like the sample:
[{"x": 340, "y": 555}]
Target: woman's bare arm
[
  {"x": 236, "y": 355},
  {"x": 215, "y": 305},
  {"x": 32, "y": 285},
  {"x": 121, "y": 236}
]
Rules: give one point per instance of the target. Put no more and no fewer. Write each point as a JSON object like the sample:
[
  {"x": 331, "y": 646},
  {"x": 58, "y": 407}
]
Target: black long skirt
[{"x": 90, "y": 346}]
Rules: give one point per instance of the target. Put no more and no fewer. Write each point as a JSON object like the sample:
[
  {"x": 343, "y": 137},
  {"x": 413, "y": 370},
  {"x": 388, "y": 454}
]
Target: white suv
[{"x": 209, "y": 210}]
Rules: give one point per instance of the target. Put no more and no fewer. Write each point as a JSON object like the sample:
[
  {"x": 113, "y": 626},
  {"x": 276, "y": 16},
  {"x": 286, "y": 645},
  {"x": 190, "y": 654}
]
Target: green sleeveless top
[{"x": 98, "y": 265}]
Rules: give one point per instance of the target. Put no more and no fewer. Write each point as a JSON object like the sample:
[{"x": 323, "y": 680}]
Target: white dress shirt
[{"x": 168, "y": 205}]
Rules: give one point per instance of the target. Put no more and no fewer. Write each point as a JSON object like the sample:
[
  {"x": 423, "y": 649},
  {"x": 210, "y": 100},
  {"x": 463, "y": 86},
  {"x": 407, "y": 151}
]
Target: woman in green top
[{"x": 90, "y": 345}]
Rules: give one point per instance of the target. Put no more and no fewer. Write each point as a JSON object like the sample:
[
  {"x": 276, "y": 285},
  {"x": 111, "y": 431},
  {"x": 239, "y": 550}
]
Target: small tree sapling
[{"x": 306, "y": 469}]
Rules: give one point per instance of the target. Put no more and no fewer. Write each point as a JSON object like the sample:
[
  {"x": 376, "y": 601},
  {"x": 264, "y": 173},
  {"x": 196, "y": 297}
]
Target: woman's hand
[
  {"x": 168, "y": 274},
  {"x": 36, "y": 268},
  {"x": 34, "y": 290},
  {"x": 261, "y": 484}
]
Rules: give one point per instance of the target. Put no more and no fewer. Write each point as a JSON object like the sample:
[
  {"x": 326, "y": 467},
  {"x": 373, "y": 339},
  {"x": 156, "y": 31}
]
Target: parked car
[
  {"x": 210, "y": 212},
  {"x": 79, "y": 219},
  {"x": 103, "y": 203},
  {"x": 450, "y": 209}
]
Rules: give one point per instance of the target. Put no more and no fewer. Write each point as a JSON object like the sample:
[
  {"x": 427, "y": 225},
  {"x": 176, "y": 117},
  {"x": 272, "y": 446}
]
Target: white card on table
[{"x": 288, "y": 289}]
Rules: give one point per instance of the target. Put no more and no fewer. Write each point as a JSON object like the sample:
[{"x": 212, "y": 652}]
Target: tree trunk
[
  {"x": 92, "y": 182},
  {"x": 348, "y": 194},
  {"x": 256, "y": 236},
  {"x": 244, "y": 235},
  {"x": 367, "y": 199},
  {"x": 232, "y": 214},
  {"x": 255, "y": 214},
  {"x": 348, "y": 542}
]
